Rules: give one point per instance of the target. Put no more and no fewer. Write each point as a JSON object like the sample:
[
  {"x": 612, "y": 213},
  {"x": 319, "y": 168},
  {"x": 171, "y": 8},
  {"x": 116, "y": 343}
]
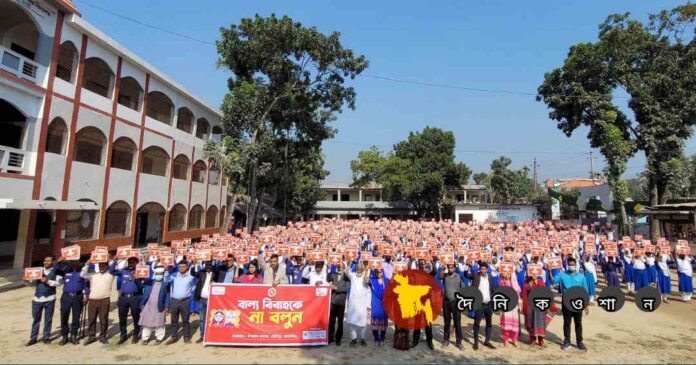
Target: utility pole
[
  {"x": 536, "y": 183},
  {"x": 592, "y": 167}
]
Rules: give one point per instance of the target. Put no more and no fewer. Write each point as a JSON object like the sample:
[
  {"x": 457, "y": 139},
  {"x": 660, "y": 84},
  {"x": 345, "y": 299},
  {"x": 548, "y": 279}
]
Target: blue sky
[{"x": 503, "y": 45}]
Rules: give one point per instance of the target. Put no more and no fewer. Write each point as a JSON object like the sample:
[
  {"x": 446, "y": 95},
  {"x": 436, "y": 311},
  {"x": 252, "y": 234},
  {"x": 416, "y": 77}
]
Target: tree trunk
[
  {"x": 256, "y": 213},
  {"x": 625, "y": 225},
  {"x": 654, "y": 200},
  {"x": 231, "y": 206},
  {"x": 252, "y": 197}
]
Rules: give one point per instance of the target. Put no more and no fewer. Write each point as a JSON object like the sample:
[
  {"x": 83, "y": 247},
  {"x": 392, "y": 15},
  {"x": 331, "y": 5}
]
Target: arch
[
  {"x": 160, "y": 107},
  {"x": 149, "y": 224},
  {"x": 55, "y": 139},
  {"x": 99, "y": 78},
  {"x": 122, "y": 153},
  {"x": 18, "y": 32},
  {"x": 181, "y": 167},
  {"x": 13, "y": 125},
  {"x": 118, "y": 216},
  {"x": 199, "y": 170},
  {"x": 202, "y": 128},
  {"x": 130, "y": 93},
  {"x": 196, "y": 217},
  {"x": 151, "y": 207},
  {"x": 213, "y": 175},
  {"x": 81, "y": 224},
  {"x": 211, "y": 217},
  {"x": 155, "y": 161},
  {"x": 67, "y": 62},
  {"x": 216, "y": 135},
  {"x": 89, "y": 145},
  {"x": 184, "y": 120},
  {"x": 177, "y": 218}
]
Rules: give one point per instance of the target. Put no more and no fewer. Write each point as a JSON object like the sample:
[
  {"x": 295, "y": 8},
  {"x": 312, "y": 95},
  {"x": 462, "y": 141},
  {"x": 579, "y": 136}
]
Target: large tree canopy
[
  {"x": 655, "y": 65},
  {"x": 288, "y": 82},
  {"x": 419, "y": 170}
]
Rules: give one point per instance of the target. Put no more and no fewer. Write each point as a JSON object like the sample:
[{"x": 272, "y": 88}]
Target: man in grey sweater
[{"x": 452, "y": 283}]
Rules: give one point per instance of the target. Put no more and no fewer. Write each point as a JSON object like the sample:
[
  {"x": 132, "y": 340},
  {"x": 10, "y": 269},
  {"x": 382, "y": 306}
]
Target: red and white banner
[{"x": 262, "y": 315}]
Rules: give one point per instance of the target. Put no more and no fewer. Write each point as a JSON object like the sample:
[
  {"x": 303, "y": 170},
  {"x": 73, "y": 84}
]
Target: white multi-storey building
[{"x": 97, "y": 147}]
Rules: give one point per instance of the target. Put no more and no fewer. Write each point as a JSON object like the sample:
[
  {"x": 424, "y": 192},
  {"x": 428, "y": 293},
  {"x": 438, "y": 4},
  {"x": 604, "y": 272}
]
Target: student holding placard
[
  {"x": 640, "y": 270},
  {"x": 686, "y": 274},
  {"x": 664, "y": 280}
]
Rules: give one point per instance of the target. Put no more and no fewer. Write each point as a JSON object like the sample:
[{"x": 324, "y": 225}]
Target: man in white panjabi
[{"x": 359, "y": 301}]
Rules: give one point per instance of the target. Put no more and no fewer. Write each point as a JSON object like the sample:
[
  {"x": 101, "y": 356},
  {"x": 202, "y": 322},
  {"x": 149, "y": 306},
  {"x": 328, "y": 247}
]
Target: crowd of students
[{"x": 182, "y": 288}]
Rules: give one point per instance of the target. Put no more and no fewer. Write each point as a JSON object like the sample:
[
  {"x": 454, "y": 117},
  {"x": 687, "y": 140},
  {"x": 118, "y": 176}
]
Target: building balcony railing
[
  {"x": 18, "y": 65},
  {"x": 330, "y": 204},
  {"x": 11, "y": 160}
]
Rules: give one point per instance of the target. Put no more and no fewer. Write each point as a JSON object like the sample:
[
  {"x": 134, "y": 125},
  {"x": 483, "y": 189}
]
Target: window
[
  {"x": 202, "y": 127},
  {"x": 99, "y": 78},
  {"x": 199, "y": 171},
  {"x": 214, "y": 175},
  {"x": 118, "y": 217},
  {"x": 345, "y": 197},
  {"x": 184, "y": 120},
  {"x": 55, "y": 140},
  {"x": 196, "y": 217},
  {"x": 155, "y": 161},
  {"x": 217, "y": 134},
  {"x": 460, "y": 198},
  {"x": 80, "y": 224},
  {"x": 89, "y": 145},
  {"x": 67, "y": 62},
  {"x": 368, "y": 198},
  {"x": 177, "y": 218},
  {"x": 130, "y": 94},
  {"x": 181, "y": 167},
  {"x": 335, "y": 197},
  {"x": 122, "y": 154},
  {"x": 211, "y": 217},
  {"x": 160, "y": 107}
]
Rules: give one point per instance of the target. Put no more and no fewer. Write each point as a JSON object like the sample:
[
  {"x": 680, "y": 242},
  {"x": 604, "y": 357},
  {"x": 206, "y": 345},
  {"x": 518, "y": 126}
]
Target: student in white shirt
[
  {"x": 318, "y": 275},
  {"x": 686, "y": 276}
]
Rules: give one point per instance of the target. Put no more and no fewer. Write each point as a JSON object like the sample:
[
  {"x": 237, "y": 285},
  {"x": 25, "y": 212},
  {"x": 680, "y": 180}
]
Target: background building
[{"x": 97, "y": 147}]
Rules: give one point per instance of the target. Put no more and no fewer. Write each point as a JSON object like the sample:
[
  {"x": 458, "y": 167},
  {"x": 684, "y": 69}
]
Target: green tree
[
  {"x": 419, "y": 170},
  {"x": 482, "y": 178},
  {"x": 509, "y": 185},
  {"x": 655, "y": 64},
  {"x": 287, "y": 84}
]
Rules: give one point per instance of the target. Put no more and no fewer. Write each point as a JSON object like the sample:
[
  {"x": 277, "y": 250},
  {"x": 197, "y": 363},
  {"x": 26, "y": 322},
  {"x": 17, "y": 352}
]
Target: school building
[{"x": 97, "y": 147}]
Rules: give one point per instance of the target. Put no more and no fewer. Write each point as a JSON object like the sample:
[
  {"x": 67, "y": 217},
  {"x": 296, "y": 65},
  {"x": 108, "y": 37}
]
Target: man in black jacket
[
  {"x": 484, "y": 282},
  {"x": 206, "y": 275},
  {"x": 339, "y": 289}
]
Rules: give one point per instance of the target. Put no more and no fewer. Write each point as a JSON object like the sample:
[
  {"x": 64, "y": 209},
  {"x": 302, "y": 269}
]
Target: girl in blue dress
[{"x": 378, "y": 320}]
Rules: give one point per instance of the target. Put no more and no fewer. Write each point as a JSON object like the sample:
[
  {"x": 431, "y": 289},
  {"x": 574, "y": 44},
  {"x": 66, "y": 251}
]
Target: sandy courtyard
[{"x": 629, "y": 336}]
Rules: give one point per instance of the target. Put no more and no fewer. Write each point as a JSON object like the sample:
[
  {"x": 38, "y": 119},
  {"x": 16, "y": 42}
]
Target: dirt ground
[{"x": 629, "y": 336}]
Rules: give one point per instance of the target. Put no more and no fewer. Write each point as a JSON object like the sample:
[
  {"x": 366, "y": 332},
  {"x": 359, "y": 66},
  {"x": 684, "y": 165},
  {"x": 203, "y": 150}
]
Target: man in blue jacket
[
  {"x": 72, "y": 300},
  {"x": 568, "y": 279}
]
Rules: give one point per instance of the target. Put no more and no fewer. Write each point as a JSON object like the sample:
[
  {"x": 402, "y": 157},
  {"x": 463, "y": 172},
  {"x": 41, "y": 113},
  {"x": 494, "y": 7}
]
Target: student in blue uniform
[
  {"x": 71, "y": 301},
  {"x": 129, "y": 297},
  {"x": 652, "y": 270},
  {"x": 628, "y": 277},
  {"x": 664, "y": 281},
  {"x": 640, "y": 272}
]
